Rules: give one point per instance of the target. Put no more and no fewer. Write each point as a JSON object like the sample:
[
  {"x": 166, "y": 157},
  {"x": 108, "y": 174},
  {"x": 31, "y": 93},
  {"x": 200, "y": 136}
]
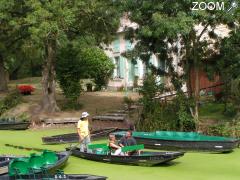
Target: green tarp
[{"x": 178, "y": 136}]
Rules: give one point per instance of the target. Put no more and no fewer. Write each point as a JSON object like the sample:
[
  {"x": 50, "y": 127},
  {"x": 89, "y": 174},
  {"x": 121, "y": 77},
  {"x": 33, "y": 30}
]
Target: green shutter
[
  {"x": 116, "y": 45},
  {"x": 122, "y": 67},
  {"x": 131, "y": 70},
  {"x": 128, "y": 45}
]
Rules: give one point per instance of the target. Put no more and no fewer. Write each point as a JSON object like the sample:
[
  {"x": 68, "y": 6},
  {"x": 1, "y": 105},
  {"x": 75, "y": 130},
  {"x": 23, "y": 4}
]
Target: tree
[
  {"x": 97, "y": 65},
  {"x": 164, "y": 26},
  {"x": 13, "y": 30},
  {"x": 229, "y": 67},
  {"x": 55, "y": 22},
  {"x": 69, "y": 72}
]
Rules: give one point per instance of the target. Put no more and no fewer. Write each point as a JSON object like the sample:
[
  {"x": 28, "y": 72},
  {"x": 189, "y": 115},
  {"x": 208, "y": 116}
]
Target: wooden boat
[
  {"x": 143, "y": 158},
  {"x": 34, "y": 166},
  {"x": 5, "y": 160},
  {"x": 12, "y": 124},
  {"x": 73, "y": 137},
  {"x": 171, "y": 140}
]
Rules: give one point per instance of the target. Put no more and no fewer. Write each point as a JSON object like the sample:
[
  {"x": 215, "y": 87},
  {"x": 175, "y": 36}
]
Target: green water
[{"x": 193, "y": 166}]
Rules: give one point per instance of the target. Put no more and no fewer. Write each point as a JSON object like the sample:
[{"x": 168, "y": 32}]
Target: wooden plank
[
  {"x": 108, "y": 118},
  {"x": 115, "y": 114}
]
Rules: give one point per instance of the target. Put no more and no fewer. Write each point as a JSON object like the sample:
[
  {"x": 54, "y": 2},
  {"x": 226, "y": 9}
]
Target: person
[
  {"x": 128, "y": 140},
  {"x": 83, "y": 132},
  {"x": 113, "y": 146}
]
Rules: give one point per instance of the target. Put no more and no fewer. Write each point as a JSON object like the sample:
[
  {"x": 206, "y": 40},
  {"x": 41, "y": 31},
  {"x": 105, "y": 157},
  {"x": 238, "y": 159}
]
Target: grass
[
  {"x": 213, "y": 110},
  {"x": 193, "y": 166}
]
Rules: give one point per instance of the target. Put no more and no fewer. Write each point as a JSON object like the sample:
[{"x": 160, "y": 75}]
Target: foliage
[
  {"x": 228, "y": 129},
  {"x": 13, "y": 31},
  {"x": 97, "y": 65},
  {"x": 11, "y": 100},
  {"x": 230, "y": 110},
  {"x": 229, "y": 67},
  {"x": 128, "y": 101},
  {"x": 69, "y": 71},
  {"x": 25, "y": 89},
  {"x": 161, "y": 115},
  {"x": 170, "y": 28}
]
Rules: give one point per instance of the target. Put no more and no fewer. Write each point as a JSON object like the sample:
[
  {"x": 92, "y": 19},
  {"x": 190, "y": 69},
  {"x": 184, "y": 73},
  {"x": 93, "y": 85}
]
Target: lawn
[{"x": 193, "y": 166}]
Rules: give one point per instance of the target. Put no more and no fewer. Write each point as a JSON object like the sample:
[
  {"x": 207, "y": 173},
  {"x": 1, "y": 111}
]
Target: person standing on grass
[{"x": 83, "y": 132}]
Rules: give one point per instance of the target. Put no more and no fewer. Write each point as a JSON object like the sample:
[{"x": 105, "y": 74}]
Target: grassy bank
[{"x": 197, "y": 166}]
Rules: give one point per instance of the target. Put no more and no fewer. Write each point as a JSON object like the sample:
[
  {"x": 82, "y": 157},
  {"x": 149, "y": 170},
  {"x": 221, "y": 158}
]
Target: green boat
[
  {"x": 172, "y": 140},
  {"x": 48, "y": 162}
]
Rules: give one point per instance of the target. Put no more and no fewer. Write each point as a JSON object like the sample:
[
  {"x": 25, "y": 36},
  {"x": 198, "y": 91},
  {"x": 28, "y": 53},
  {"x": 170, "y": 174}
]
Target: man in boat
[
  {"x": 83, "y": 132},
  {"x": 128, "y": 140}
]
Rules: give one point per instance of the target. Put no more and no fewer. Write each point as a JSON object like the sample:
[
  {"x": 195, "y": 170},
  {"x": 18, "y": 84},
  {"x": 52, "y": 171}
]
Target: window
[{"x": 117, "y": 66}]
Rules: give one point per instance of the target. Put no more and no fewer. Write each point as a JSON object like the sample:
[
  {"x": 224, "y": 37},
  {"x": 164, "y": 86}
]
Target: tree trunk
[
  {"x": 196, "y": 93},
  {"x": 49, "y": 103},
  {"x": 3, "y": 76}
]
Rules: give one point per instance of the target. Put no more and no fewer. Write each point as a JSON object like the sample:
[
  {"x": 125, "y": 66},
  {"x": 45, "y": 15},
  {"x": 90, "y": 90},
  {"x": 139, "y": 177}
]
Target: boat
[
  {"x": 33, "y": 166},
  {"x": 12, "y": 124},
  {"x": 74, "y": 137},
  {"x": 100, "y": 152},
  {"x": 6, "y": 160},
  {"x": 187, "y": 141}
]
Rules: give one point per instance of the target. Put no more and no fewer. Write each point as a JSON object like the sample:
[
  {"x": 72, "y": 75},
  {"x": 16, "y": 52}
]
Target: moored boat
[
  {"x": 35, "y": 174},
  {"x": 12, "y": 124},
  {"x": 171, "y": 140},
  {"x": 35, "y": 165},
  {"x": 74, "y": 137},
  {"x": 143, "y": 158}
]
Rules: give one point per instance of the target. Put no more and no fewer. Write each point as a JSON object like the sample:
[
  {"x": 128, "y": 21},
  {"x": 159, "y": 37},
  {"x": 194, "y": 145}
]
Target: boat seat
[
  {"x": 96, "y": 146},
  {"x": 132, "y": 148},
  {"x": 100, "y": 148},
  {"x": 49, "y": 157},
  {"x": 36, "y": 162},
  {"x": 19, "y": 166}
]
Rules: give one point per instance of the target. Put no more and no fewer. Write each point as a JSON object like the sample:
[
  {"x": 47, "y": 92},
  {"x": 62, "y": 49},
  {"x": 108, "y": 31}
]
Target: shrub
[
  {"x": 157, "y": 115},
  {"x": 69, "y": 72},
  {"x": 11, "y": 100},
  {"x": 97, "y": 65},
  {"x": 128, "y": 101},
  {"x": 231, "y": 110},
  {"x": 25, "y": 89}
]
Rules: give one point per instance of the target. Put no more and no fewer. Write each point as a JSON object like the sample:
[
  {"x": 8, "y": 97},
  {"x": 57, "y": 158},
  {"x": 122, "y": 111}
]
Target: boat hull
[
  {"x": 144, "y": 159},
  {"x": 74, "y": 137},
  {"x": 14, "y": 125},
  {"x": 66, "y": 177},
  {"x": 209, "y": 146}
]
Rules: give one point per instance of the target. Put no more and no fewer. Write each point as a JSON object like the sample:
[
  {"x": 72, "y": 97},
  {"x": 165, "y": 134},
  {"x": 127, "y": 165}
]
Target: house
[{"x": 129, "y": 74}]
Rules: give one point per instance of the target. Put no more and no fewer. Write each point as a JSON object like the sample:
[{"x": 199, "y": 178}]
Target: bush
[
  {"x": 157, "y": 115},
  {"x": 97, "y": 65},
  {"x": 231, "y": 110},
  {"x": 11, "y": 100},
  {"x": 128, "y": 101},
  {"x": 69, "y": 72},
  {"x": 25, "y": 89}
]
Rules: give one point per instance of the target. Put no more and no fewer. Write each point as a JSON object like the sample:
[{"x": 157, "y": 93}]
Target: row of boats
[
  {"x": 36, "y": 166},
  {"x": 161, "y": 140}
]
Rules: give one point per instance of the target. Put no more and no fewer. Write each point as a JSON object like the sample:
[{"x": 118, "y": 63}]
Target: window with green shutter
[
  {"x": 116, "y": 45},
  {"x": 128, "y": 45}
]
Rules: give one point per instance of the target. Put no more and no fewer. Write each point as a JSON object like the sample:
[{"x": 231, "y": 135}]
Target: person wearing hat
[{"x": 83, "y": 131}]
